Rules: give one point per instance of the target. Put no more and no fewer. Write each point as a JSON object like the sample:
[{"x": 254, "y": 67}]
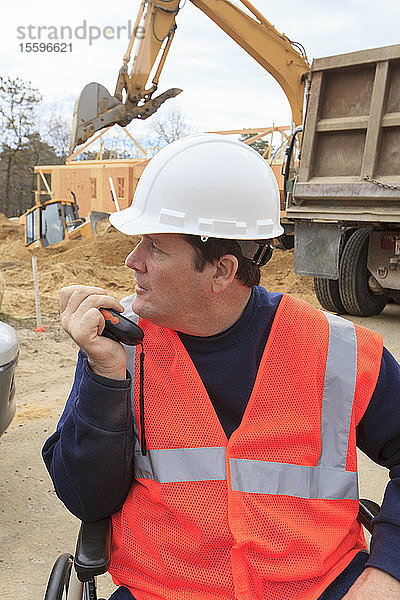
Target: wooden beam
[
  {"x": 50, "y": 193},
  {"x": 268, "y": 131},
  {"x": 135, "y": 141},
  {"x": 253, "y": 130},
  {"x": 71, "y": 156}
]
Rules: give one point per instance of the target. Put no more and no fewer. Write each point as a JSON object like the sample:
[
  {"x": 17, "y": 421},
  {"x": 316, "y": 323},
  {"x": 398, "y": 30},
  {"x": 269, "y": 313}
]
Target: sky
[{"x": 224, "y": 88}]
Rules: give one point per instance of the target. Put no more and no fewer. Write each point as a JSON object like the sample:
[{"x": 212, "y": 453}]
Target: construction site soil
[{"x": 97, "y": 261}]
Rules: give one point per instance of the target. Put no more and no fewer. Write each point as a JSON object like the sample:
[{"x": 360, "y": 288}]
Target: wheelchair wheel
[{"x": 57, "y": 587}]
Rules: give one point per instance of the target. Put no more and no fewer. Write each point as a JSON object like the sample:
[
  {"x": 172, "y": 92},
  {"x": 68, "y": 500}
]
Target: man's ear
[{"x": 224, "y": 272}]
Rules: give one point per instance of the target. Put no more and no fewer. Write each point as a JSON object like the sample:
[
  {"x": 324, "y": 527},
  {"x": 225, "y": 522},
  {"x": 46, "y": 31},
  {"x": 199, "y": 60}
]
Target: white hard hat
[{"x": 206, "y": 185}]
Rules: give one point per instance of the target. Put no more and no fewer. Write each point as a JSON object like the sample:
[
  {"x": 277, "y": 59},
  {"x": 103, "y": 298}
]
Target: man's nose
[{"x": 134, "y": 261}]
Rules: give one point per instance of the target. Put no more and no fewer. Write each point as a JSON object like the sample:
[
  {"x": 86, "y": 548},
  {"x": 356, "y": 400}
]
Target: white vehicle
[{"x": 8, "y": 363}]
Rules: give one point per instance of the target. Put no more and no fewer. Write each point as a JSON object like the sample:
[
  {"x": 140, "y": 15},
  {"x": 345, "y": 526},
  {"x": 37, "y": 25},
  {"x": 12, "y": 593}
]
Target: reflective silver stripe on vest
[
  {"x": 186, "y": 464},
  {"x": 261, "y": 477},
  {"x": 328, "y": 480},
  {"x": 339, "y": 386}
]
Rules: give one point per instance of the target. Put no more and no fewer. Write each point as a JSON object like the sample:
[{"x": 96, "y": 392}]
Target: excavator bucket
[{"x": 94, "y": 109}]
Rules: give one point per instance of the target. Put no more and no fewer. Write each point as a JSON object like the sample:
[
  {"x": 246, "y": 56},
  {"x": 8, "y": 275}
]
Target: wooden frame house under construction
[{"x": 89, "y": 180}]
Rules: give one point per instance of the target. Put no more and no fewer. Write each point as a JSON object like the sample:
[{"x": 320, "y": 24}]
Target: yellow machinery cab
[{"x": 53, "y": 221}]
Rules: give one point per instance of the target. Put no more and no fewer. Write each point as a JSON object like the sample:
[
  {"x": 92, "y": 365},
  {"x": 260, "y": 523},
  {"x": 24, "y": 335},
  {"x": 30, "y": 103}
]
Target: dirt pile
[{"x": 97, "y": 261}]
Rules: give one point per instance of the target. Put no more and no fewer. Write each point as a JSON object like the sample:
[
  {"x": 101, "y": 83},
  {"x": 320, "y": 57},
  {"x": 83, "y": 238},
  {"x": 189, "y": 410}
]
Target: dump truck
[{"x": 343, "y": 189}]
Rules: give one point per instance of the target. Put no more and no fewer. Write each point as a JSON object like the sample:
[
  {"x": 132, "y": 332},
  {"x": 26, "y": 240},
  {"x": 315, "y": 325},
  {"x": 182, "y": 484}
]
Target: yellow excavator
[{"x": 153, "y": 33}]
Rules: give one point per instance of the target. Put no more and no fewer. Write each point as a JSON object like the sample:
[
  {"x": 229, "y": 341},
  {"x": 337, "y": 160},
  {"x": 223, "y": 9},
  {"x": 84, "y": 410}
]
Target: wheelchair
[{"x": 74, "y": 578}]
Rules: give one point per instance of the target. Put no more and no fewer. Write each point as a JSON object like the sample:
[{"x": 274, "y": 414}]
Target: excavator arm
[
  {"x": 96, "y": 108},
  {"x": 154, "y": 29}
]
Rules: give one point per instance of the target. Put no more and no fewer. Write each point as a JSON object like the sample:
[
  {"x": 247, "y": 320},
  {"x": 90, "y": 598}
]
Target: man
[{"x": 235, "y": 474}]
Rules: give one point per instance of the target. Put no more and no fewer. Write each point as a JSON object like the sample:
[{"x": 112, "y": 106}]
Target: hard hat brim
[{"x": 126, "y": 222}]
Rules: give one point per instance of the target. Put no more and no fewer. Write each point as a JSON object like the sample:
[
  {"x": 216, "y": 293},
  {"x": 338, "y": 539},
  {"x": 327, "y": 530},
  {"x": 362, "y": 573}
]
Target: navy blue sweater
[{"x": 90, "y": 456}]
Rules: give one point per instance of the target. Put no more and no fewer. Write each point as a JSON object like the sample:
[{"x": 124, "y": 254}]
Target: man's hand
[
  {"x": 374, "y": 584},
  {"x": 82, "y": 320}
]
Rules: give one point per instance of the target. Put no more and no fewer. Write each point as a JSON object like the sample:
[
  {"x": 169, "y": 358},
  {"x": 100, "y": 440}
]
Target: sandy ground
[{"x": 34, "y": 526}]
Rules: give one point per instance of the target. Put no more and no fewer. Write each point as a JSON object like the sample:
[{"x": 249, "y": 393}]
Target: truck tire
[
  {"x": 354, "y": 290},
  {"x": 327, "y": 292}
]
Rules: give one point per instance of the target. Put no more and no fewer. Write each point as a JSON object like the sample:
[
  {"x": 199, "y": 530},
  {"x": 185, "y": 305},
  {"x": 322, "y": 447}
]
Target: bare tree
[
  {"x": 169, "y": 125},
  {"x": 56, "y": 133},
  {"x": 18, "y": 101},
  {"x": 22, "y": 180}
]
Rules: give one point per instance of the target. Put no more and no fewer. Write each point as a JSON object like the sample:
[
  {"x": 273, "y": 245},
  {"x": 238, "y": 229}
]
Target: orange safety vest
[{"x": 271, "y": 513}]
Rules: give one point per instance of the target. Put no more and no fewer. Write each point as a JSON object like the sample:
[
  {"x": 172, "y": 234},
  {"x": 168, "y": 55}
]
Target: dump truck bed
[{"x": 350, "y": 161}]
